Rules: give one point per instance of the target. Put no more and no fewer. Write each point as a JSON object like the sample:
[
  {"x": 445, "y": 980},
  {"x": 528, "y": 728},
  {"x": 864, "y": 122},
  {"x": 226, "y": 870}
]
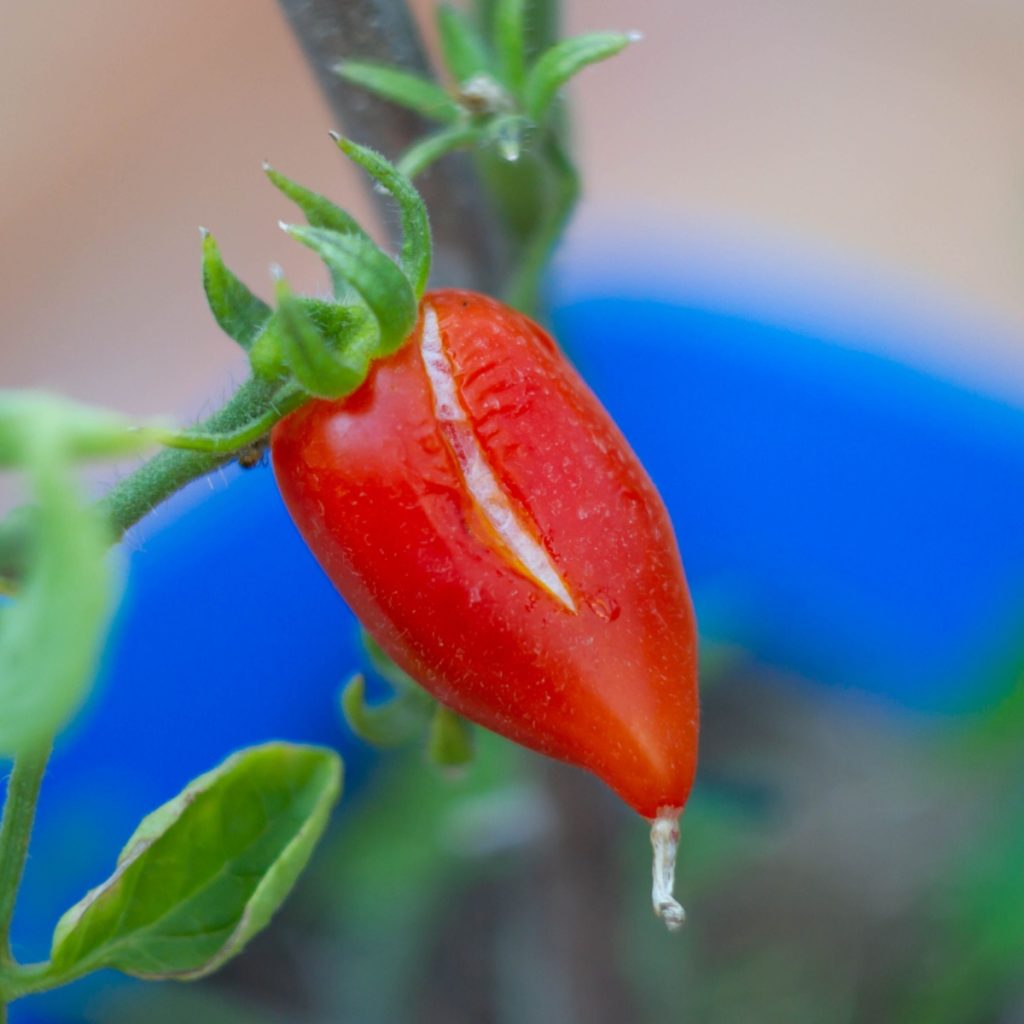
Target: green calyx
[
  {"x": 300, "y": 348},
  {"x": 306, "y": 347},
  {"x": 324, "y": 347}
]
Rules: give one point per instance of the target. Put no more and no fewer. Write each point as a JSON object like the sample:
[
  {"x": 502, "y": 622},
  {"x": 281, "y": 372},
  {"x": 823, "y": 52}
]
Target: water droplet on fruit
[{"x": 605, "y": 607}]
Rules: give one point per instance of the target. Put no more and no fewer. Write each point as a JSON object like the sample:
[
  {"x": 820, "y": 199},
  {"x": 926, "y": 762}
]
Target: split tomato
[{"x": 490, "y": 526}]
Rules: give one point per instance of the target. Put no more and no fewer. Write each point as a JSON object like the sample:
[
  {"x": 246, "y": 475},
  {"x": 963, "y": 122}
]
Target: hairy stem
[
  {"x": 164, "y": 474},
  {"x": 161, "y": 476},
  {"x": 15, "y": 830},
  {"x": 27, "y": 979}
]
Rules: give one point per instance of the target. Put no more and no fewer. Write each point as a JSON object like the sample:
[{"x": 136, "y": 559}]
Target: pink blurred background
[{"x": 884, "y": 136}]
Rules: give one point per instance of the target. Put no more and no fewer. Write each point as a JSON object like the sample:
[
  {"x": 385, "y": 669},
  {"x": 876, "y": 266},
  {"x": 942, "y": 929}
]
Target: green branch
[
  {"x": 165, "y": 474},
  {"x": 15, "y": 830},
  {"x": 255, "y": 402}
]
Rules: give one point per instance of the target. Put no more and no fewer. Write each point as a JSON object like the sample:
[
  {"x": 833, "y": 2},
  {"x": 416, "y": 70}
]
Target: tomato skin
[{"x": 377, "y": 485}]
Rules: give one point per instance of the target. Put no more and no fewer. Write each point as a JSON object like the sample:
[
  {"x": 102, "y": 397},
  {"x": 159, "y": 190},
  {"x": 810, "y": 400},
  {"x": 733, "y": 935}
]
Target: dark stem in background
[
  {"x": 541, "y": 942},
  {"x": 469, "y": 248},
  {"x": 580, "y": 877},
  {"x": 579, "y": 890}
]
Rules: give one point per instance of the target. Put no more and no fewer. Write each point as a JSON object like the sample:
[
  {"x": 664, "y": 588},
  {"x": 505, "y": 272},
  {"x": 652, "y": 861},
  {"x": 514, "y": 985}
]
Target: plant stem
[
  {"x": 164, "y": 474},
  {"x": 28, "y": 979},
  {"x": 541, "y": 22},
  {"x": 470, "y": 250},
  {"x": 159, "y": 477},
  {"x": 523, "y": 291},
  {"x": 15, "y": 830}
]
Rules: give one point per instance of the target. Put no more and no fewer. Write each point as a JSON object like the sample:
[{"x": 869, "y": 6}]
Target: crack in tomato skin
[
  {"x": 376, "y": 489},
  {"x": 514, "y": 537}
]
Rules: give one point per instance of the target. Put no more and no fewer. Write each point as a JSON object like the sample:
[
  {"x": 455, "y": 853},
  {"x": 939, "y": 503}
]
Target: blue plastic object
[{"x": 840, "y": 515}]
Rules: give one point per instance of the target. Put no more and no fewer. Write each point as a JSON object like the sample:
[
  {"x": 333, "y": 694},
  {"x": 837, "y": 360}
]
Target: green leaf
[
  {"x": 380, "y": 283},
  {"x": 540, "y": 24},
  {"x": 413, "y": 92},
  {"x": 205, "y": 872},
  {"x": 561, "y": 62},
  {"x": 240, "y": 314},
  {"x": 319, "y": 211},
  {"x": 465, "y": 52},
  {"x": 319, "y": 367},
  {"x": 510, "y": 42},
  {"x": 78, "y": 431},
  {"x": 389, "y": 724},
  {"x": 450, "y": 743},
  {"x": 418, "y": 157},
  {"x": 51, "y": 636},
  {"x": 416, "y": 247}
]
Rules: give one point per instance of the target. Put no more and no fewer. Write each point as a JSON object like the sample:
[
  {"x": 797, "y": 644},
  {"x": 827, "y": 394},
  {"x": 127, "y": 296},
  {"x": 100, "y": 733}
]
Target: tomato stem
[
  {"x": 229, "y": 442},
  {"x": 665, "y": 840},
  {"x": 18, "y": 815}
]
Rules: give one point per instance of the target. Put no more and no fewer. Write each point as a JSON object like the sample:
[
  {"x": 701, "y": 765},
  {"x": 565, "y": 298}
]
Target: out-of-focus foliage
[
  {"x": 53, "y": 633},
  {"x": 840, "y": 863}
]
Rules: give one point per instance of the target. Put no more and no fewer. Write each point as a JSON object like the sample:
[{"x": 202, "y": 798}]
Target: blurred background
[{"x": 804, "y": 223}]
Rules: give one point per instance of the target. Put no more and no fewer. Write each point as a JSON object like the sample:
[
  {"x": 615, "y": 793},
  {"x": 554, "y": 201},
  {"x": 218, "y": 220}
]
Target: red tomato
[{"x": 490, "y": 526}]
